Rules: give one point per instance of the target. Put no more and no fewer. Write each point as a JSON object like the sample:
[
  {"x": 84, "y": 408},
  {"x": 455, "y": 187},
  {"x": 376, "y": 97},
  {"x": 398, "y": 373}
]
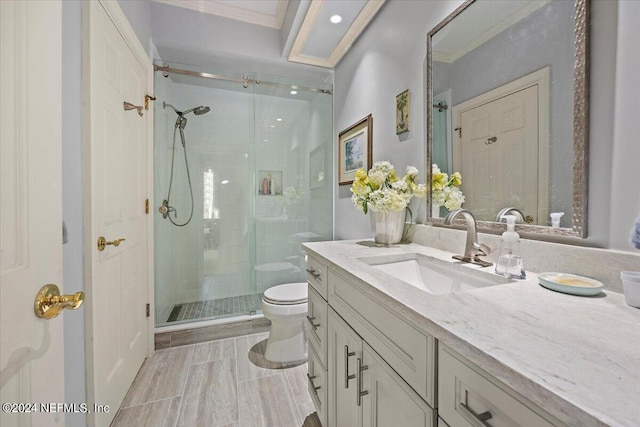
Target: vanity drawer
[
  {"x": 317, "y": 275},
  {"x": 466, "y": 397},
  {"x": 317, "y": 382},
  {"x": 410, "y": 352},
  {"x": 316, "y": 325}
]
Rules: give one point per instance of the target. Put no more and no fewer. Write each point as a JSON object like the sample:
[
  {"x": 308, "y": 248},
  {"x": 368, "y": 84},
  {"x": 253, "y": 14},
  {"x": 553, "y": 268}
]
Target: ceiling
[
  {"x": 310, "y": 37},
  {"x": 477, "y": 25}
]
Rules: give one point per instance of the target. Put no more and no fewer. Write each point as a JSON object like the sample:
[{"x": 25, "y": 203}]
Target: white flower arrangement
[
  {"x": 445, "y": 190},
  {"x": 381, "y": 190}
]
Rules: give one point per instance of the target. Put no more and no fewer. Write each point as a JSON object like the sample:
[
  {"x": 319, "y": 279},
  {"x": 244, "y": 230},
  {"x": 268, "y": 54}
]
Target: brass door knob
[
  {"x": 102, "y": 243},
  {"x": 49, "y": 303}
]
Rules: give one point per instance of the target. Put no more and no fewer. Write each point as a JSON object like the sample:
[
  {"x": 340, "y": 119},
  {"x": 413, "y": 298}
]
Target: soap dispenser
[{"x": 510, "y": 263}]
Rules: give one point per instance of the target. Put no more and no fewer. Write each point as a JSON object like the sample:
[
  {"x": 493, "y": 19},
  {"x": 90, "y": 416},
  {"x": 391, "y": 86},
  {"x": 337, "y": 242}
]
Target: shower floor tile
[
  {"x": 214, "y": 391},
  {"x": 221, "y": 307}
]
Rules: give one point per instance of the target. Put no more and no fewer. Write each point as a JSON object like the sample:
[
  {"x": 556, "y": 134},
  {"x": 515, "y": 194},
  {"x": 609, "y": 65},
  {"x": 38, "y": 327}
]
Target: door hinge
[
  {"x": 148, "y": 310},
  {"x": 146, "y": 206},
  {"x": 459, "y": 132}
]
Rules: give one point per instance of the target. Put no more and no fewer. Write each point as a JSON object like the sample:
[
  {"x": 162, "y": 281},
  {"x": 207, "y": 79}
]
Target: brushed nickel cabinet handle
[
  {"x": 314, "y": 273},
  {"x": 315, "y": 326},
  {"x": 347, "y": 355},
  {"x": 480, "y": 420},
  {"x": 313, "y": 386},
  {"x": 361, "y": 392}
]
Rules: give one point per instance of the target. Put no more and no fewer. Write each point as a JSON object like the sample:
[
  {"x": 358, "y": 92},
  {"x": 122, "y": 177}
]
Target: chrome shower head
[
  {"x": 201, "y": 110},
  {"x": 198, "y": 110}
]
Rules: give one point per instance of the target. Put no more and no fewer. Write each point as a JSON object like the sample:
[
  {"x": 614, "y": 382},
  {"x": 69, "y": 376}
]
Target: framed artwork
[
  {"x": 355, "y": 149},
  {"x": 403, "y": 106}
]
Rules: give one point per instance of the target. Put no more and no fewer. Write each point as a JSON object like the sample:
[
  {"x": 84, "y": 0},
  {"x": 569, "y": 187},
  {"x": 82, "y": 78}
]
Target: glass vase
[{"x": 387, "y": 227}]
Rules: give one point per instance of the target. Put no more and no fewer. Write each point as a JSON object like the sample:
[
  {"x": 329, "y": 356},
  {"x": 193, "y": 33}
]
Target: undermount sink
[{"x": 435, "y": 276}]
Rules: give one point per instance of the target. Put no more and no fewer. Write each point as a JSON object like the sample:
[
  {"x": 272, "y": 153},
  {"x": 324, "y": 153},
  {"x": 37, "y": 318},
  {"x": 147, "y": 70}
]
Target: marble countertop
[{"x": 578, "y": 358}]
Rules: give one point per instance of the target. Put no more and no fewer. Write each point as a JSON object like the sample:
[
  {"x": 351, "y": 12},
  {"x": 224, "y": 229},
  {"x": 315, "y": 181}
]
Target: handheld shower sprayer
[{"x": 181, "y": 123}]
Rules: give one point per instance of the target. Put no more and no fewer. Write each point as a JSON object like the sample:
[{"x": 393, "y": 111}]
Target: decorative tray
[{"x": 570, "y": 284}]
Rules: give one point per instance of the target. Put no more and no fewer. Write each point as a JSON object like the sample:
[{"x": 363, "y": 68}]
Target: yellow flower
[
  {"x": 392, "y": 175},
  {"x": 439, "y": 180},
  {"x": 456, "y": 179},
  {"x": 360, "y": 188},
  {"x": 361, "y": 175}
]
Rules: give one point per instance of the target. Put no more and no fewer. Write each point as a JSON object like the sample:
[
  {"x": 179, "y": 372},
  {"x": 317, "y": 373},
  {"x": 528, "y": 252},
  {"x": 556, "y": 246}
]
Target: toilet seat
[{"x": 287, "y": 294}]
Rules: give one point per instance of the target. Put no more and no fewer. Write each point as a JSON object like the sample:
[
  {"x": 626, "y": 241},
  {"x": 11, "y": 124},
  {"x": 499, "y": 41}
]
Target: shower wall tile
[{"x": 161, "y": 376}]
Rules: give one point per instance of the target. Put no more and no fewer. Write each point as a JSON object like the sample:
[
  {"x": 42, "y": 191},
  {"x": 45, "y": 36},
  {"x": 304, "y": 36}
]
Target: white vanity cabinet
[
  {"x": 469, "y": 397},
  {"x": 316, "y": 332},
  {"x": 363, "y": 389}
]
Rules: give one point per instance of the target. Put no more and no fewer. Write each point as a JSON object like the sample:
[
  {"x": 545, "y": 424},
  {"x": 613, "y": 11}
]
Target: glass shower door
[
  {"x": 204, "y": 269},
  {"x": 293, "y": 179}
]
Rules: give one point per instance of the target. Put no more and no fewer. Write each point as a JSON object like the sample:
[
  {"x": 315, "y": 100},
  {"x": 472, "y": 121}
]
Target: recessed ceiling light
[
  {"x": 272, "y": 126},
  {"x": 336, "y": 19},
  {"x": 224, "y": 181},
  {"x": 294, "y": 92},
  {"x": 278, "y": 119}
]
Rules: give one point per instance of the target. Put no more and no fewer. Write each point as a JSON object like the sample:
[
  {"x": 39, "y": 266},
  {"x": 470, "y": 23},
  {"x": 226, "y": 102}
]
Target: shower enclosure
[{"x": 257, "y": 167}]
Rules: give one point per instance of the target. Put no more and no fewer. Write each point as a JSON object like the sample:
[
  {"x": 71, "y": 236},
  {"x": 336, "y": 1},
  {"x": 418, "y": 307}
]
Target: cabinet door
[
  {"x": 345, "y": 347},
  {"x": 467, "y": 398},
  {"x": 317, "y": 382},
  {"x": 317, "y": 324},
  {"x": 389, "y": 401}
]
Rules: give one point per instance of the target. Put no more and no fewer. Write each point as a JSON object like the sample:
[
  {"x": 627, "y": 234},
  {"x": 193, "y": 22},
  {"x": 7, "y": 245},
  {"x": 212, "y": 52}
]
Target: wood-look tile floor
[{"x": 218, "y": 383}]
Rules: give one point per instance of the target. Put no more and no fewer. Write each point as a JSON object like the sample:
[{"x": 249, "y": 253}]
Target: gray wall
[
  {"x": 138, "y": 13},
  {"x": 542, "y": 39},
  {"x": 624, "y": 190},
  {"x": 389, "y": 57}
]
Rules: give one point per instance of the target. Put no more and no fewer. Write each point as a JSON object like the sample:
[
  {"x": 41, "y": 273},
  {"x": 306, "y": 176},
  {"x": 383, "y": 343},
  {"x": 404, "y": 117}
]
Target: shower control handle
[{"x": 315, "y": 326}]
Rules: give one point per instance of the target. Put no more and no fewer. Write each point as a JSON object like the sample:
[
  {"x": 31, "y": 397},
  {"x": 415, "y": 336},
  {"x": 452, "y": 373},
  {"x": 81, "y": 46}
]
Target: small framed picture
[
  {"x": 355, "y": 149},
  {"x": 403, "y": 106}
]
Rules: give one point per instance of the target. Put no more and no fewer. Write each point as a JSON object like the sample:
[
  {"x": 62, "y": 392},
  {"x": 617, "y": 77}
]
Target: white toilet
[{"x": 286, "y": 307}]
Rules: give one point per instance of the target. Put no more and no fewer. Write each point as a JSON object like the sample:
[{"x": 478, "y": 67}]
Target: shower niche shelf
[{"x": 269, "y": 183}]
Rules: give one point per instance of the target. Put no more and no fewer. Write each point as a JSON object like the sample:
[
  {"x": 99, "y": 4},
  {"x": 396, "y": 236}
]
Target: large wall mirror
[{"x": 508, "y": 85}]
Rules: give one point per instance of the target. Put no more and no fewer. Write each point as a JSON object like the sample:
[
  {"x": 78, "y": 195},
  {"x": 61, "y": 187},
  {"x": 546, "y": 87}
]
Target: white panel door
[
  {"x": 498, "y": 158},
  {"x": 118, "y": 175},
  {"x": 31, "y": 349}
]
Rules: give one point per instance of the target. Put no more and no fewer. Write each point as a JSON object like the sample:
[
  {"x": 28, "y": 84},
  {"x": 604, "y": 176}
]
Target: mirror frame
[{"x": 580, "y": 133}]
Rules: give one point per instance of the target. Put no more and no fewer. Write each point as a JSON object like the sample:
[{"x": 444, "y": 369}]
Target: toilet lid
[{"x": 287, "y": 294}]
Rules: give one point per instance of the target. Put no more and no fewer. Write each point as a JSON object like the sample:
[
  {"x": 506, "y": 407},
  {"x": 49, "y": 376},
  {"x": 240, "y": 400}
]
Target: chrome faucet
[
  {"x": 510, "y": 211},
  {"x": 472, "y": 249}
]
